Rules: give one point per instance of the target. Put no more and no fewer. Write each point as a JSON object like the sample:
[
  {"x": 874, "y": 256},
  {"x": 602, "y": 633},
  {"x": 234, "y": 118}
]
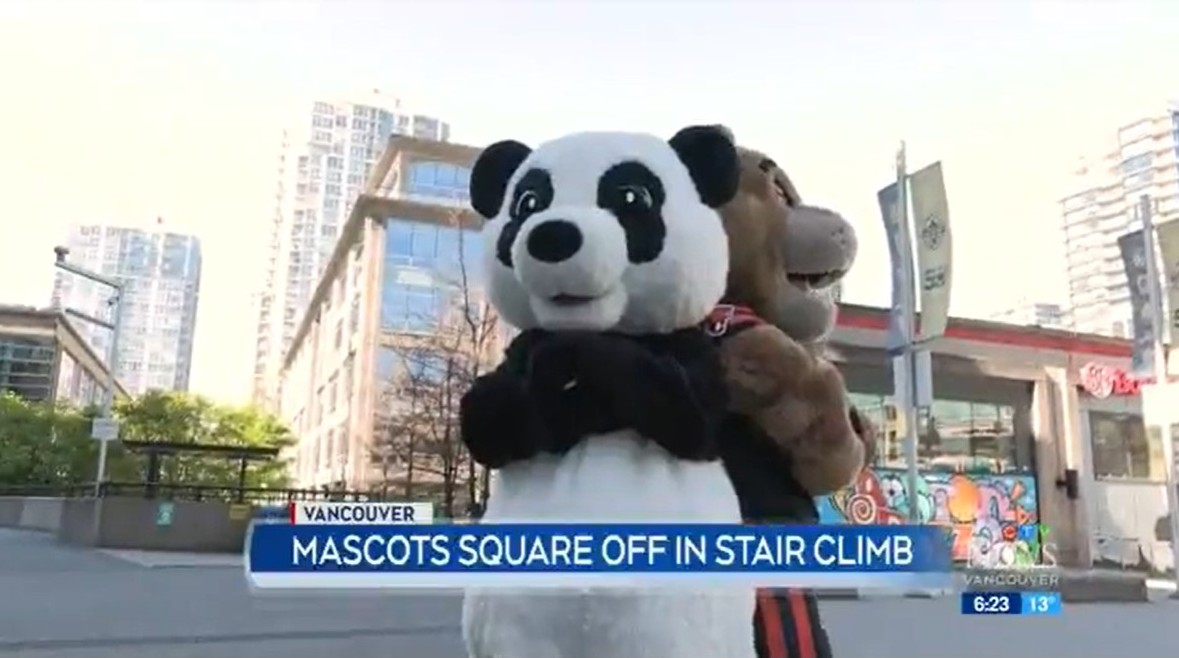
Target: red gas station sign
[{"x": 1102, "y": 381}]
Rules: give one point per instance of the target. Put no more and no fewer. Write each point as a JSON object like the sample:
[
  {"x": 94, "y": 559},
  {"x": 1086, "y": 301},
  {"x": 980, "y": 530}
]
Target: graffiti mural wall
[{"x": 970, "y": 505}]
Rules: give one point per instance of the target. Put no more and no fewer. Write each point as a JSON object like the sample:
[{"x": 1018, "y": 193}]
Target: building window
[
  {"x": 974, "y": 437},
  {"x": 422, "y": 263},
  {"x": 329, "y": 448},
  {"x": 437, "y": 249},
  {"x": 342, "y": 446},
  {"x": 26, "y": 368},
  {"x": 349, "y": 373},
  {"x": 1136, "y": 163},
  {"x": 1138, "y": 180},
  {"x": 410, "y": 366},
  {"x": 409, "y": 307},
  {"x": 386, "y": 364},
  {"x": 439, "y": 179},
  {"x": 960, "y": 436},
  {"x": 1122, "y": 448}
]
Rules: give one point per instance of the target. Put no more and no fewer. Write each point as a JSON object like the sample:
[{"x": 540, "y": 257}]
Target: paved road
[{"x": 59, "y": 602}]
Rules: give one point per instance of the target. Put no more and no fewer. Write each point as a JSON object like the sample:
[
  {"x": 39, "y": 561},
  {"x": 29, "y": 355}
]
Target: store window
[
  {"x": 958, "y": 436},
  {"x": 1123, "y": 449},
  {"x": 974, "y": 437}
]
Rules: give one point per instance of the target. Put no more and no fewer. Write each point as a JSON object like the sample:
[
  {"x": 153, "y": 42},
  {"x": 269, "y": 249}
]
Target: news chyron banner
[{"x": 398, "y": 545}]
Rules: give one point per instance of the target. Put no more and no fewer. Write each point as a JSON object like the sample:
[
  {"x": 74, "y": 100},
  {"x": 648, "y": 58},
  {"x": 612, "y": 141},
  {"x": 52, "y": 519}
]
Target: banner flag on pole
[
  {"x": 1168, "y": 235},
  {"x": 931, "y": 217},
  {"x": 1133, "y": 248},
  {"x": 898, "y": 330}
]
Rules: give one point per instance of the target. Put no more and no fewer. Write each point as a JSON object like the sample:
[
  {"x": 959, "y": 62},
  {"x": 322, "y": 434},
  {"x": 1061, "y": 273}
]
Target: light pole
[
  {"x": 1146, "y": 207},
  {"x": 908, "y": 299},
  {"x": 109, "y": 431}
]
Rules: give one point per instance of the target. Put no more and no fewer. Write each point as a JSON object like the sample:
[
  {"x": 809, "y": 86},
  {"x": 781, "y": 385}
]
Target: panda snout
[
  {"x": 570, "y": 253},
  {"x": 555, "y": 241}
]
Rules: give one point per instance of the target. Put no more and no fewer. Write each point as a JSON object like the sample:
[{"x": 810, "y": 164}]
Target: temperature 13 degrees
[{"x": 1040, "y": 603}]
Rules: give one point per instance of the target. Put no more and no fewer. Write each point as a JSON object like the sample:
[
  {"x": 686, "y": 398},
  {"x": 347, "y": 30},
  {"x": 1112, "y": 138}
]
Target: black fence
[{"x": 194, "y": 492}]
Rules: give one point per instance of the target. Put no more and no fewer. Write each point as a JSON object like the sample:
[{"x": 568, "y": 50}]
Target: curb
[
  {"x": 1104, "y": 590},
  {"x": 832, "y": 594},
  {"x": 164, "y": 560}
]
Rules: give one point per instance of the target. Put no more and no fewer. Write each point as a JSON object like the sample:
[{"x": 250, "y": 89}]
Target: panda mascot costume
[{"x": 607, "y": 252}]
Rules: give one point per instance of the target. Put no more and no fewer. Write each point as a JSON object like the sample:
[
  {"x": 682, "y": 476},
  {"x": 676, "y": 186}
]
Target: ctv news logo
[{"x": 1022, "y": 558}]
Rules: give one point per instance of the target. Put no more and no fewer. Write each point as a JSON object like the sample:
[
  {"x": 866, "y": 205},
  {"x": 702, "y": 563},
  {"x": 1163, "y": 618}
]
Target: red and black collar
[{"x": 728, "y": 319}]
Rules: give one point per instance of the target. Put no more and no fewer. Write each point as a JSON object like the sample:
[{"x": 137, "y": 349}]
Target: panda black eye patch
[
  {"x": 635, "y": 195},
  {"x": 533, "y": 194}
]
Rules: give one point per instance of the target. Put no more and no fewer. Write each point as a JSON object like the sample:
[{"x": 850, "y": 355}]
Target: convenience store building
[{"x": 1028, "y": 425}]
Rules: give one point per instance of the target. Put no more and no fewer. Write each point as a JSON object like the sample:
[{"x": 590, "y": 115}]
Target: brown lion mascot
[
  {"x": 791, "y": 434},
  {"x": 778, "y": 313}
]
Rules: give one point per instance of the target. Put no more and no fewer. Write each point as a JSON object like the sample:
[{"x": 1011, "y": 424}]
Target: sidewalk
[{"x": 175, "y": 560}]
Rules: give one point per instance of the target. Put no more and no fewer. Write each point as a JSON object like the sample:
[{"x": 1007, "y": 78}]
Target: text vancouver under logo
[{"x": 1020, "y": 557}]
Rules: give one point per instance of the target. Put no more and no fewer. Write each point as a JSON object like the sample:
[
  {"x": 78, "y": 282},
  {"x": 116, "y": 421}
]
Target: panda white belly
[{"x": 617, "y": 477}]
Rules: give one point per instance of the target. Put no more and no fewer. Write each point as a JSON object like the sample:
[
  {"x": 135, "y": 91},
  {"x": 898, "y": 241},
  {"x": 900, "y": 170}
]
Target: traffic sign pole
[
  {"x": 1162, "y": 383},
  {"x": 108, "y": 400}
]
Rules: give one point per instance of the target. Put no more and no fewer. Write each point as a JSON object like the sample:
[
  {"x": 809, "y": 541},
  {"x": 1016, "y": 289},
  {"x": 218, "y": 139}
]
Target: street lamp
[{"x": 107, "y": 431}]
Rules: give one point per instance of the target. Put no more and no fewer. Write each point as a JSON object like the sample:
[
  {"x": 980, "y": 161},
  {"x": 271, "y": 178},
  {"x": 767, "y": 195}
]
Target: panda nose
[{"x": 554, "y": 241}]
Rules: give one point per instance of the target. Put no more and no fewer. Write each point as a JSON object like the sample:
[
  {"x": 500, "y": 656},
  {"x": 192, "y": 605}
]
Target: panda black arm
[
  {"x": 670, "y": 389},
  {"x": 498, "y": 421},
  {"x": 677, "y": 399}
]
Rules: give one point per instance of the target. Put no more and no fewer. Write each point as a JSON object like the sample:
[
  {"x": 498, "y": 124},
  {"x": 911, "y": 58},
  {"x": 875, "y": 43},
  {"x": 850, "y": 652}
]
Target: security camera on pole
[
  {"x": 908, "y": 343},
  {"x": 105, "y": 428}
]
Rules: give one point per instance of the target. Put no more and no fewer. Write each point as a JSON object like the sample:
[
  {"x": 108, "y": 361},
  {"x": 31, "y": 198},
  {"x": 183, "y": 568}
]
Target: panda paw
[
  {"x": 553, "y": 364},
  {"x": 498, "y": 422}
]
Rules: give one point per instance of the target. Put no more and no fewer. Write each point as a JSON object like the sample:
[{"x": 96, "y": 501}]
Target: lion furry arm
[{"x": 799, "y": 400}]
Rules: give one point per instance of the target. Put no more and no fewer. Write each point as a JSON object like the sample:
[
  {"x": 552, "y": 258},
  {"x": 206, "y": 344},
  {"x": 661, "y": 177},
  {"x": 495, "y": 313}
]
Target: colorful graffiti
[{"x": 969, "y": 505}]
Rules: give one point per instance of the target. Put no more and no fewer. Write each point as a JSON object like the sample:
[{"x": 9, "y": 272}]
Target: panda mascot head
[
  {"x": 605, "y": 231},
  {"x": 607, "y": 251}
]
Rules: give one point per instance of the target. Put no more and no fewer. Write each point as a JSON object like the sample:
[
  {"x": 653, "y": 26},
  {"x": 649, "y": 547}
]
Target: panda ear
[
  {"x": 711, "y": 158},
  {"x": 491, "y": 173}
]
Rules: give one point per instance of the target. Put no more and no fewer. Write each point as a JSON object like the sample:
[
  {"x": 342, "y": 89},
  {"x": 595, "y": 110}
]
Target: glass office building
[{"x": 398, "y": 267}]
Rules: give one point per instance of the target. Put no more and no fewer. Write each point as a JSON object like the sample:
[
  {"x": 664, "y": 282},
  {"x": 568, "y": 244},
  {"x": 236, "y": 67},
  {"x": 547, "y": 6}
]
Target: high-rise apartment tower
[
  {"x": 323, "y": 165},
  {"x": 1141, "y": 159},
  {"x": 161, "y": 276}
]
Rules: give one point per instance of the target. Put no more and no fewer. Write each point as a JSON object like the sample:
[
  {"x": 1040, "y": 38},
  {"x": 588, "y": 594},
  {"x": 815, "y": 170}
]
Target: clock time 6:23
[{"x": 1011, "y": 603}]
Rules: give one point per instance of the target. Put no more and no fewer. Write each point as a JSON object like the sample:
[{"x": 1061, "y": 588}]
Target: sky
[{"x": 121, "y": 111}]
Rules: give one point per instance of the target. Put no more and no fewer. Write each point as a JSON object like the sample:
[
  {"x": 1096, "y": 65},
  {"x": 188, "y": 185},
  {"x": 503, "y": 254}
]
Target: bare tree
[
  {"x": 482, "y": 338},
  {"x": 420, "y": 441},
  {"x": 399, "y": 431}
]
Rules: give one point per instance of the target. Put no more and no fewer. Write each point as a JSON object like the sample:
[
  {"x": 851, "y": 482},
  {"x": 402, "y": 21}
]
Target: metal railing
[{"x": 191, "y": 492}]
